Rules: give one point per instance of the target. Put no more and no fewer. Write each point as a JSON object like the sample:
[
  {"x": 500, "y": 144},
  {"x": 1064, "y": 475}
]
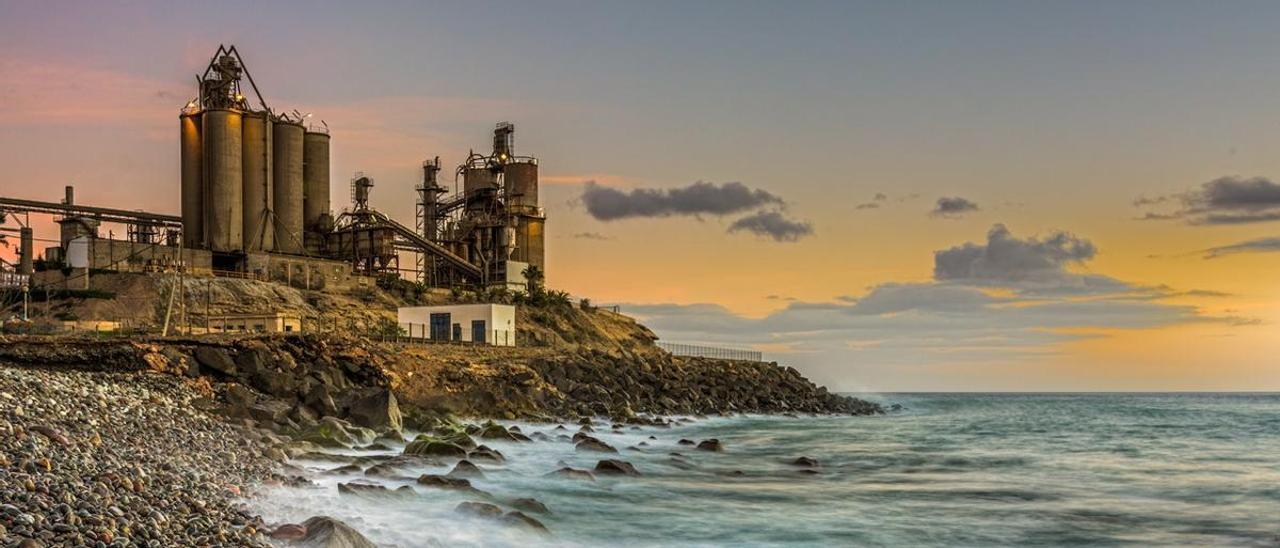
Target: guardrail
[{"x": 697, "y": 351}]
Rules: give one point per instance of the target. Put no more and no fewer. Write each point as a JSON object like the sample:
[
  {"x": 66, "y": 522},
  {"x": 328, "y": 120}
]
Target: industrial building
[
  {"x": 492, "y": 324},
  {"x": 255, "y": 202}
]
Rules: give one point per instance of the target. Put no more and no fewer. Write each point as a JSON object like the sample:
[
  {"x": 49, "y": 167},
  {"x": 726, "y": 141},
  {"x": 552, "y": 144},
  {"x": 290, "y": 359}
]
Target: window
[{"x": 478, "y": 331}]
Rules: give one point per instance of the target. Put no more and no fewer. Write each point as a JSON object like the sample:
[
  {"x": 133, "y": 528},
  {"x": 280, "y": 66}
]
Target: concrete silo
[
  {"x": 287, "y": 160},
  {"x": 258, "y": 178},
  {"x": 192, "y": 181},
  {"x": 221, "y": 130},
  {"x": 316, "y": 218}
]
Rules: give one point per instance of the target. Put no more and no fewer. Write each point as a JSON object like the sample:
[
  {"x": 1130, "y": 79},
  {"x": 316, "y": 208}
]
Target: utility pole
[
  {"x": 168, "y": 311},
  {"x": 208, "y": 296}
]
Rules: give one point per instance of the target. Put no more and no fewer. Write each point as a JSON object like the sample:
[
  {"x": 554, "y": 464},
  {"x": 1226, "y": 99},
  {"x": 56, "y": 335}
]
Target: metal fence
[{"x": 678, "y": 349}]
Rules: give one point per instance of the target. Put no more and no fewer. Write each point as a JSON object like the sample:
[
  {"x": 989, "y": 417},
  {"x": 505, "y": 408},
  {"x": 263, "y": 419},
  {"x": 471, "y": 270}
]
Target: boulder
[
  {"x": 573, "y": 473},
  {"x": 711, "y": 445},
  {"x": 806, "y": 462},
  {"x": 400, "y": 466},
  {"x": 216, "y": 359},
  {"x": 592, "y": 444},
  {"x": 378, "y": 410},
  {"x": 337, "y": 433},
  {"x": 269, "y": 411},
  {"x": 434, "y": 448},
  {"x": 465, "y": 469},
  {"x": 685, "y": 442},
  {"x": 483, "y": 453},
  {"x": 519, "y": 519},
  {"x": 530, "y": 505},
  {"x": 615, "y": 467},
  {"x": 447, "y": 483},
  {"x": 479, "y": 509},
  {"x": 326, "y": 532},
  {"x": 289, "y": 531}
]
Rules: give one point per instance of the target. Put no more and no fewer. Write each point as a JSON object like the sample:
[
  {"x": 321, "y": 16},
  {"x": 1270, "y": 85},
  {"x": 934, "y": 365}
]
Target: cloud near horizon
[
  {"x": 1258, "y": 245},
  {"x": 953, "y": 207},
  {"x": 1004, "y": 298},
  {"x": 1222, "y": 201}
]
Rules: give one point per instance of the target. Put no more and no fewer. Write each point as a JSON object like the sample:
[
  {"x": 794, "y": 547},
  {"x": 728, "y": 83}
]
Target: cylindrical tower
[
  {"x": 258, "y": 235},
  {"x": 286, "y": 143},
  {"x": 315, "y": 177},
  {"x": 478, "y": 185},
  {"x": 224, "y": 180},
  {"x": 192, "y": 185},
  {"x": 521, "y": 180},
  {"x": 26, "y": 251}
]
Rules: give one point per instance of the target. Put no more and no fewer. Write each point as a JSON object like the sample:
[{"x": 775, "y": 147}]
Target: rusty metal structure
[
  {"x": 256, "y": 183},
  {"x": 494, "y": 222}
]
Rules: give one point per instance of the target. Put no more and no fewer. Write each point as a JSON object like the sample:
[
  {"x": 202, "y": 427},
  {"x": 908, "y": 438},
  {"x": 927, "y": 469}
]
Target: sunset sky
[{"x": 887, "y": 195}]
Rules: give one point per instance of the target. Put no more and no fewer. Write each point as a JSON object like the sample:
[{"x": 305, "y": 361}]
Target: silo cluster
[{"x": 251, "y": 180}]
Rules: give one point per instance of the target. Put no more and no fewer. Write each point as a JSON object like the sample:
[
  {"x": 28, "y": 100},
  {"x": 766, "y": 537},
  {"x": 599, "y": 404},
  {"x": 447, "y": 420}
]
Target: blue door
[
  {"x": 440, "y": 326},
  {"x": 478, "y": 331}
]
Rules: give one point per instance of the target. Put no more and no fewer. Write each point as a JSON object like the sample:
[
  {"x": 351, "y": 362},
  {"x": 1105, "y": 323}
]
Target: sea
[{"x": 947, "y": 470}]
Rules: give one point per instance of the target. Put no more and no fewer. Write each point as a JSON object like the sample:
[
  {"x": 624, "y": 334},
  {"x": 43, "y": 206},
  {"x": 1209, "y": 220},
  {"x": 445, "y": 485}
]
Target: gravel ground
[{"x": 120, "y": 459}]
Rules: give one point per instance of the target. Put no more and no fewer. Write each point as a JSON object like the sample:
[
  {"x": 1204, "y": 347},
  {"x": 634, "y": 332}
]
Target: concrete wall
[{"x": 500, "y": 321}]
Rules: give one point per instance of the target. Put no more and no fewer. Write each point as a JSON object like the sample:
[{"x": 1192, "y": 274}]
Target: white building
[{"x": 493, "y": 324}]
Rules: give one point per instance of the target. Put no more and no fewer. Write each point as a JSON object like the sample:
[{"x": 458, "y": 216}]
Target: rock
[
  {"x": 494, "y": 431},
  {"x": 400, "y": 466},
  {"x": 806, "y": 462},
  {"x": 479, "y": 509},
  {"x": 592, "y": 444},
  {"x": 519, "y": 519},
  {"x": 434, "y": 448},
  {"x": 445, "y": 482},
  {"x": 573, "y": 473},
  {"x": 270, "y": 411},
  {"x": 378, "y": 410},
  {"x": 711, "y": 445},
  {"x": 51, "y": 433},
  {"x": 530, "y": 505},
  {"x": 483, "y": 453},
  {"x": 465, "y": 469},
  {"x": 216, "y": 359},
  {"x": 337, "y": 433},
  {"x": 289, "y": 531},
  {"x": 685, "y": 442},
  {"x": 616, "y": 467},
  {"x": 326, "y": 532}
]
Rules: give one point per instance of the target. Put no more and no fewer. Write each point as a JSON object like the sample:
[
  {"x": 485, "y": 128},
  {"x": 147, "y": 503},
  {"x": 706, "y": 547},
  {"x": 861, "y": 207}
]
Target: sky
[{"x": 890, "y": 196}]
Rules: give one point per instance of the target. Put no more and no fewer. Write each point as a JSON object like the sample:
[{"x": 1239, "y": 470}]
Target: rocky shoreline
[{"x": 157, "y": 443}]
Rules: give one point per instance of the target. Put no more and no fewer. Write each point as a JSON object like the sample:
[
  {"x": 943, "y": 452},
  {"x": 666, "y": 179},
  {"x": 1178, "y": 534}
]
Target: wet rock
[
  {"x": 573, "y": 473},
  {"x": 326, "y": 532},
  {"x": 530, "y": 505},
  {"x": 615, "y": 467},
  {"x": 479, "y": 509},
  {"x": 445, "y": 482},
  {"x": 589, "y": 443},
  {"x": 806, "y": 462},
  {"x": 400, "y": 466},
  {"x": 378, "y": 410},
  {"x": 685, "y": 442},
  {"x": 465, "y": 469},
  {"x": 289, "y": 531},
  {"x": 434, "y": 448},
  {"x": 519, "y": 519},
  {"x": 337, "y": 433},
  {"x": 483, "y": 453},
  {"x": 711, "y": 445}
]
